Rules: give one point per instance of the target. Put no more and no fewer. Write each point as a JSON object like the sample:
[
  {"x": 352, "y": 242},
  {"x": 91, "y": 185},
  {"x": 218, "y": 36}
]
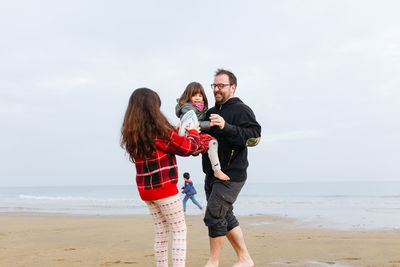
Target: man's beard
[{"x": 221, "y": 99}]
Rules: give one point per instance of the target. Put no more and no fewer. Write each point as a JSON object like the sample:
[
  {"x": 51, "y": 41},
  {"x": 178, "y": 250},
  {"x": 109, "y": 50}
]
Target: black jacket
[{"x": 240, "y": 128}]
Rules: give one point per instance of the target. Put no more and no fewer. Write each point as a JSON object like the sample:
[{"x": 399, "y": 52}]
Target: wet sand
[{"x": 69, "y": 240}]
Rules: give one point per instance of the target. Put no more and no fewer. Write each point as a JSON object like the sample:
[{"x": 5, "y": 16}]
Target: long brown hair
[
  {"x": 143, "y": 122},
  {"x": 192, "y": 89}
]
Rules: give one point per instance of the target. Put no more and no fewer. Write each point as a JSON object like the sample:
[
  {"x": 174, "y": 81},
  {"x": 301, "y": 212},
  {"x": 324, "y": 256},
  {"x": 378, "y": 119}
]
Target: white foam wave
[
  {"x": 22, "y": 196},
  {"x": 75, "y": 198}
]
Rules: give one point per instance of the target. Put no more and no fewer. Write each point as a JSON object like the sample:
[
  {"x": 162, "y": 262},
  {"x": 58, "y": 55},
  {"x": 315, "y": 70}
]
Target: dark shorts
[{"x": 219, "y": 216}]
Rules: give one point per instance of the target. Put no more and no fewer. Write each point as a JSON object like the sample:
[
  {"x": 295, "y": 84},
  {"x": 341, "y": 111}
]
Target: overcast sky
[{"x": 321, "y": 76}]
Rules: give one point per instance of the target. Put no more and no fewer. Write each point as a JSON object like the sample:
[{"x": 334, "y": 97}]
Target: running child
[{"x": 189, "y": 191}]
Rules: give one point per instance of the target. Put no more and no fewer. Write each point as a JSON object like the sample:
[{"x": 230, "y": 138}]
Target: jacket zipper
[
  {"x": 230, "y": 158},
  {"x": 233, "y": 151}
]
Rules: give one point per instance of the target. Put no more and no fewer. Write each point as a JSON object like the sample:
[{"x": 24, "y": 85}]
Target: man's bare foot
[
  {"x": 211, "y": 264},
  {"x": 244, "y": 263},
  {"x": 221, "y": 175}
]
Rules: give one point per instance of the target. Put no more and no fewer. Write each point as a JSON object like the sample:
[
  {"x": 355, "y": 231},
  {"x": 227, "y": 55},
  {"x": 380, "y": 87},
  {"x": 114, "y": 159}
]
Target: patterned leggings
[{"x": 168, "y": 215}]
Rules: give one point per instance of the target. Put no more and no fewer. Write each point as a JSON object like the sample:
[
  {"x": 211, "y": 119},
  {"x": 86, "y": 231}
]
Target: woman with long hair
[{"x": 152, "y": 143}]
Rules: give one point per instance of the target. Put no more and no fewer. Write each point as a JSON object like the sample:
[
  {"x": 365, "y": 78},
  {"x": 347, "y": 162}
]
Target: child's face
[{"x": 197, "y": 99}]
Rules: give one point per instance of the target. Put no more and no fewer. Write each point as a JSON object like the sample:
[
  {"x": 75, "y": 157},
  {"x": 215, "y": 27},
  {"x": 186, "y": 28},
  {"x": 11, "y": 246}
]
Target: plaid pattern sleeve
[
  {"x": 182, "y": 145},
  {"x": 157, "y": 176}
]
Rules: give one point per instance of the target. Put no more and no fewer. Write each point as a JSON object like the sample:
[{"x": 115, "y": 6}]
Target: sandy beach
[{"x": 69, "y": 240}]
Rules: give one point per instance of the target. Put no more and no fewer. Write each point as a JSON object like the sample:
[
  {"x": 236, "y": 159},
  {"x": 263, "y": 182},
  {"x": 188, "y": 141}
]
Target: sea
[{"x": 338, "y": 205}]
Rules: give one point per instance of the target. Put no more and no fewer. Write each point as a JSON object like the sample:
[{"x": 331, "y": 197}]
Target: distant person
[
  {"x": 152, "y": 144},
  {"x": 194, "y": 99},
  {"x": 235, "y": 127},
  {"x": 189, "y": 191}
]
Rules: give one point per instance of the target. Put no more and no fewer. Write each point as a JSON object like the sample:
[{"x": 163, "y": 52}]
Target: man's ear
[{"x": 234, "y": 88}]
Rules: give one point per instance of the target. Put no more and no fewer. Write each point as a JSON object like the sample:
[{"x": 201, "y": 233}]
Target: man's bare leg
[
  {"x": 235, "y": 237},
  {"x": 216, "y": 245}
]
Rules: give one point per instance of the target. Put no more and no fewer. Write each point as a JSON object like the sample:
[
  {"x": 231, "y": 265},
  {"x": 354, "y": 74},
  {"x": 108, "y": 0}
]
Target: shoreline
[
  {"x": 321, "y": 223},
  {"x": 343, "y": 205},
  {"x": 37, "y": 239}
]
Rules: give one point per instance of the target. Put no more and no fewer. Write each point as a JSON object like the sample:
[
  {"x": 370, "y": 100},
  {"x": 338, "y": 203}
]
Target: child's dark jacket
[{"x": 189, "y": 188}]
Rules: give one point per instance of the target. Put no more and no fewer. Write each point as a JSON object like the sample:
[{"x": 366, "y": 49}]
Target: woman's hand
[
  {"x": 177, "y": 127},
  {"x": 197, "y": 128}
]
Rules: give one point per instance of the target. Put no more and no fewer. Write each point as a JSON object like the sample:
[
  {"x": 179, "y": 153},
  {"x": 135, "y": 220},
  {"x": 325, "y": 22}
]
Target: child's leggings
[
  {"x": 168, "y": 216},
  {"x": 210, "y": 144}
]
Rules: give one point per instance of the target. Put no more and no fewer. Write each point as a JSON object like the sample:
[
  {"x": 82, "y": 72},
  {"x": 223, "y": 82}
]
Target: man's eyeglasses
[{"x": 219, "y": 85}]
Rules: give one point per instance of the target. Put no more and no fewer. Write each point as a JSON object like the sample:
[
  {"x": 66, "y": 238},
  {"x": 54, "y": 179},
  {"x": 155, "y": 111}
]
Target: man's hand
[
  {"x": 197, "y": 152},
  {"x": 217, "y": 120}
]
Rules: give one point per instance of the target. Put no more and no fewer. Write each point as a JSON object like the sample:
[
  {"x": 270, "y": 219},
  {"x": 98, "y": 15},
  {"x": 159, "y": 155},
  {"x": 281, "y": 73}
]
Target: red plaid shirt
[{"x": 157, "y": 177}]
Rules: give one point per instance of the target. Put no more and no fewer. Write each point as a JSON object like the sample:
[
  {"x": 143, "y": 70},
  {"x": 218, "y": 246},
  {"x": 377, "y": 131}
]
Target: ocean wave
[
  {"x": 22, "y": 196},
  {"x": 76, "y": 198}
]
